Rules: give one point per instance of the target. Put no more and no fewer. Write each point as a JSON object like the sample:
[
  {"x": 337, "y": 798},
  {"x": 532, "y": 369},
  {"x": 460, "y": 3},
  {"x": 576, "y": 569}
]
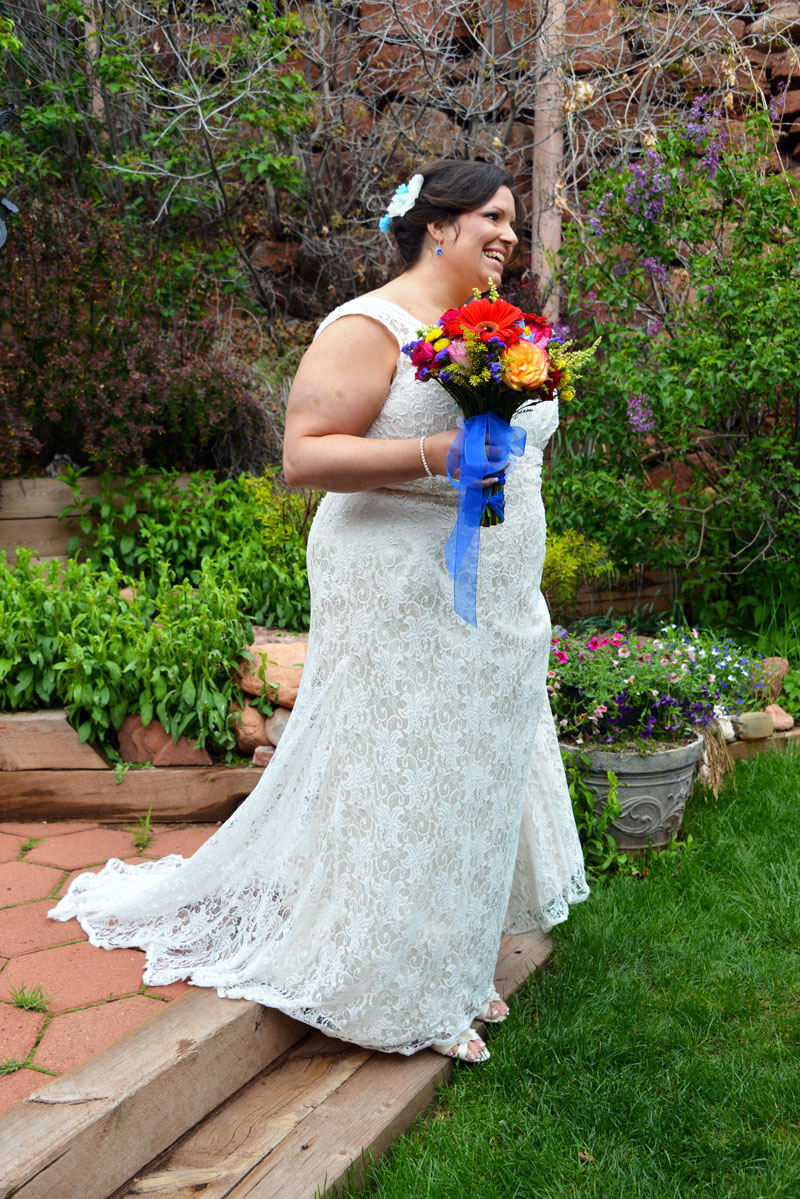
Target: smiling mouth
[{"x": 495, "y": 255}]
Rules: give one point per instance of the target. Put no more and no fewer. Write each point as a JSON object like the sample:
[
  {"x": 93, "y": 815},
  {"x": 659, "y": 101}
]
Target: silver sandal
[
  {"x": 458, "y": 1048},
  {"x": 485, "y": 1014}
]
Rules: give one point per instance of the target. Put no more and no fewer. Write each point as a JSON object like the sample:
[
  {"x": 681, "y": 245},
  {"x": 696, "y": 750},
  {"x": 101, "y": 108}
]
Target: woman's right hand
[{"x": 437, "y": 447}]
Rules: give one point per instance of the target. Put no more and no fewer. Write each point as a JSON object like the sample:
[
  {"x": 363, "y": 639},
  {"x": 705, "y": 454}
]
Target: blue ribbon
[{"x": 483, "y": 449}]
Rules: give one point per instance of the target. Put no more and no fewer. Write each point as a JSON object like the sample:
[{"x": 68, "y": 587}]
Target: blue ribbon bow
[{"x": 483, "y": 449}]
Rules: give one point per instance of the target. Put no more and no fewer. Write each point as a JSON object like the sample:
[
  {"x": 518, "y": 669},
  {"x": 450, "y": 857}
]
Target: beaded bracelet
[{"x": 428, "y": 470}]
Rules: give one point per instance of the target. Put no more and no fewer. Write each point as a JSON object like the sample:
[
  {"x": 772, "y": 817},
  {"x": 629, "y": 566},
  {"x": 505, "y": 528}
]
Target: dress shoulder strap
[{"x": 399, "y": 322}]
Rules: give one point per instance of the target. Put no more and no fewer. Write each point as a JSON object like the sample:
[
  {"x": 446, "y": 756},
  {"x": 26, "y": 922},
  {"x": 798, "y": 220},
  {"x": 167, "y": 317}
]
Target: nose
[{"x": 508, "y": 235}]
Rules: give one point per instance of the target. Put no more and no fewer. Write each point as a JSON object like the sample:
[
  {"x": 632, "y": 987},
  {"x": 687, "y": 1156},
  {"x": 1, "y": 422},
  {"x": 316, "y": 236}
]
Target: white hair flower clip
[{"x": 402, "y": 202}]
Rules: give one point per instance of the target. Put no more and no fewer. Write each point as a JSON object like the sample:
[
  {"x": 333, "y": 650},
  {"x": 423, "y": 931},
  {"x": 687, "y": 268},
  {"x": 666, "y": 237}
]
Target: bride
[{"x": 416, "y": 805}]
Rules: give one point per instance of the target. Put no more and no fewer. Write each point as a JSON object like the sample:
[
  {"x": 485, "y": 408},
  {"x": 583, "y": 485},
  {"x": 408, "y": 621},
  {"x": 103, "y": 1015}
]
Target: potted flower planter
[{"x": 653, "y": 790}]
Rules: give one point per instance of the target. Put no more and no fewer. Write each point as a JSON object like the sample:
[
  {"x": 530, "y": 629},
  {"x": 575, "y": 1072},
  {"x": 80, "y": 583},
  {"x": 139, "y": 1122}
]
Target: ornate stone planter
[{"x": 653, "y": 790}]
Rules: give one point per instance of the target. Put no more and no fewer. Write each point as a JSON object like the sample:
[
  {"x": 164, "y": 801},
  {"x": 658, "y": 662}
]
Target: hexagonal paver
[
  {"x": 82, "y": 849},
  {"x": 45, "y": 828},
  {"x": 75, "y": 975},
  {"x": 9, "y": 847},
  {"x": 169, "y": 992},
  {"x": 18, "y": 1031},
  {"x": 64, "y": 886},
  {"x": 25, "y": 928},
  {"x": 72, "y": 1038},
  {"x": 14, "y": 1087},
  {"x": 184, "y": 841},
  {"x": 20, "y": 881}
]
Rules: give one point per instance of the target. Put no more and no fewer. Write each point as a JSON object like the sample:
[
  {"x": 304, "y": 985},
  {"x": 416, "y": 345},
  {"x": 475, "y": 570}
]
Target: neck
[{"x": 427, "y": 289}]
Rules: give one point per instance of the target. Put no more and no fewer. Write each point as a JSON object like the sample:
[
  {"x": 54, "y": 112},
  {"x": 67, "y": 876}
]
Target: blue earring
[{"x": 438, "y": 251}]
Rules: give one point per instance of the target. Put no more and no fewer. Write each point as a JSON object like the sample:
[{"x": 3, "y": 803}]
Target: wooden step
[
  {"x": 82, "y": 1135},
  {"x": 316, "y": 1117}
]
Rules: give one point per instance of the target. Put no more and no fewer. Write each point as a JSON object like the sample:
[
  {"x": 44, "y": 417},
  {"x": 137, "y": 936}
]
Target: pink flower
[
  {"x": 617, "y": 639},
  {"x": 560, "y": 656},
  {"x": 424, "y": 354},
  {"x": 458, "y": 352}
]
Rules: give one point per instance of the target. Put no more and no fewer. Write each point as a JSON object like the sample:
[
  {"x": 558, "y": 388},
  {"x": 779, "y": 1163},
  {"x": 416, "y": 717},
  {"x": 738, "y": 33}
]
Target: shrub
[
  {"x": 253, "y": 528},
  {"x": 89, "y": 367},
  {"x": 571, "y": 560},
  {"x": 70, "y": 639},
  {"x": 690, "y": 267}
]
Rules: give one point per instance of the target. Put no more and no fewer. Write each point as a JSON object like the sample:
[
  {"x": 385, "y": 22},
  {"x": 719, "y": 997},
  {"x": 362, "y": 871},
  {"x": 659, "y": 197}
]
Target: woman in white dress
[{"x": 416, "y": 804}]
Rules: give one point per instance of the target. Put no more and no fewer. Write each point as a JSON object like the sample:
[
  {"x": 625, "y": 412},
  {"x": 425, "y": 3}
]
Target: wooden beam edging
[
  {"x": 90, "y": 1130},
  {"x": 173, "y": 793}
]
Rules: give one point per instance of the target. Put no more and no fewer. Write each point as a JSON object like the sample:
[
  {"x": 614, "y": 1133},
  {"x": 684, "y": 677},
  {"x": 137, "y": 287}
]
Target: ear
[{"x": 436, "y": 230}]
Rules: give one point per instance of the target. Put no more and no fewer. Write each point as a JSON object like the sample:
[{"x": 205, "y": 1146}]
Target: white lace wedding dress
[{"x": 416, "y": 803}]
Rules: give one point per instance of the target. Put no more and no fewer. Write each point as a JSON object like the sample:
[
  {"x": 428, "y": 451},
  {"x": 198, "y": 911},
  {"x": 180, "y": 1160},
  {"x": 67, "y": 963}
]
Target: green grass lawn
[{"x": 659, "y": 1056}]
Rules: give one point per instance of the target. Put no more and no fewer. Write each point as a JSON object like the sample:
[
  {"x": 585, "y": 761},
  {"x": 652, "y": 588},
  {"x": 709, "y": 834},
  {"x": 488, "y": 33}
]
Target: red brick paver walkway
[{"x": 92, "y": 996}]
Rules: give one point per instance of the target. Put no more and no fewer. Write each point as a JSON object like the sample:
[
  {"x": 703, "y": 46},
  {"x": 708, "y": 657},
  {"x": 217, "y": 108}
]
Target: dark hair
[{"x": 451, "y": 187}]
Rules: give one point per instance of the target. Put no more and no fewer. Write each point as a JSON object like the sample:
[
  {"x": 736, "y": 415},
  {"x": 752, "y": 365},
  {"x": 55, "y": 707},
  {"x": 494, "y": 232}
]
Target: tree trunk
[{"x": 547, "y": 155}]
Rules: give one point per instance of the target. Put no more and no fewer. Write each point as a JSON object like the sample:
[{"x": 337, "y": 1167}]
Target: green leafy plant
[
  {"x": 11, "y": 1065},
  {"x": 600, "y": 851},
  {"x": 26, "y": 847},
  {"x": 31, "y": 999},
  {"x": 789, "y": 697},
  {"x": 255, "y": 529},
  {"x": 70, "y": 640},
  {"x": 142, "y": 831}
]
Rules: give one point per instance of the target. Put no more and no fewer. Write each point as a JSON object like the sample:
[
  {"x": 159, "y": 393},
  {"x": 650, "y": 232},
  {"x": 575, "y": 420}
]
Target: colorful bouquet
[
  {"x": 494, "y": 360},
  {"x": 616, "y": 689}
]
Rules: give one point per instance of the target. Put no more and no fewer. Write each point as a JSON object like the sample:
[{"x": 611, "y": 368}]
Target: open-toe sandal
[
  {"x": 485, "y": 1013},
  {"x": 458, "y": 1048}
]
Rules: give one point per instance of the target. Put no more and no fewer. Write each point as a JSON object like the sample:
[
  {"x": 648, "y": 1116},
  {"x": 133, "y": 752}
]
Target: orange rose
[{"x": 525, "y": 366}]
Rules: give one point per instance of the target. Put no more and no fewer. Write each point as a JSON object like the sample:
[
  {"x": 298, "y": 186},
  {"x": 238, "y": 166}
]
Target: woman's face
[{"x": 480, "y": 242}]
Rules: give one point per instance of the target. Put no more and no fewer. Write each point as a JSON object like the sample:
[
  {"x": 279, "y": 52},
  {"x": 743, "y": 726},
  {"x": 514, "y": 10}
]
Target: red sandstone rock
[
  {"x": 276, "y": 723},
  {"x": 263, "y": 755},
  {"x": 282, "y": 669},
  {"x": 780, "y": 20},
  {"x": 775, "y": 671},
  {"x": 782, "y": 721},
  {"x": 152, "y": 743},
  {"x": 594, "y": 36},
  {"x": 249, "y": 731}
]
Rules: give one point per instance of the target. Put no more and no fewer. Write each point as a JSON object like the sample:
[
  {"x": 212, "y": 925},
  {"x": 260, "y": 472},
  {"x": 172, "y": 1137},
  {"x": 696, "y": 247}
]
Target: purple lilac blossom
[
  {"x": 702, "y": 119},
  {"x": 649, "y": 187},
  {"x": 655, "y": 268},
  {"x": 655, "y": 327},
  {"x": 640, "y": 414},
  {"x": 777, "y": 101}
]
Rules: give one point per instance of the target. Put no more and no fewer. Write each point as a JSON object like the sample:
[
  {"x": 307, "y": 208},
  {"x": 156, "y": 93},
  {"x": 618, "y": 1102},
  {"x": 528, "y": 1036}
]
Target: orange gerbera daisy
[{"x": 486, "y": 319}]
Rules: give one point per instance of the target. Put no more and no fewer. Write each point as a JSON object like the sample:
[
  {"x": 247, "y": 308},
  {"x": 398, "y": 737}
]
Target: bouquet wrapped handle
[{"x": 486, "y": 447}]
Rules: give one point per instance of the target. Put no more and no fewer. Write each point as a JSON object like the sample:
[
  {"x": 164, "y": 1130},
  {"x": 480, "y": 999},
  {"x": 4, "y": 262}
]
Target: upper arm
[{"x": 342, "y": 381}]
